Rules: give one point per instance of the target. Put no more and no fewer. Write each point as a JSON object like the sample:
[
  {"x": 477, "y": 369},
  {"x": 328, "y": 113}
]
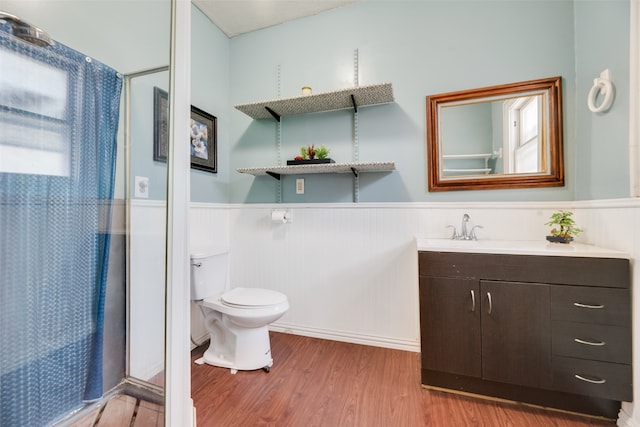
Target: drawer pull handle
[
  {"x": 490, "y": 303},
  {"x": 473, "y": 300},
  {"x": 589, "y": 380},
  {"x": 594, "y": 343},
  {"x": 581, "y": 305}
]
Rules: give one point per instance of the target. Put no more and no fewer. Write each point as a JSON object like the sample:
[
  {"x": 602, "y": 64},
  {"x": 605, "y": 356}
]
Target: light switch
[
  {"x": 142, "y": 187},
  {"x": 300, "y": 186}
]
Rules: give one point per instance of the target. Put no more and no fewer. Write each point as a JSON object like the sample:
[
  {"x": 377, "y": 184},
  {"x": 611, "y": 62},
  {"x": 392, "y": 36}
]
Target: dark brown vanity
[{"x": 543, "y": 327}]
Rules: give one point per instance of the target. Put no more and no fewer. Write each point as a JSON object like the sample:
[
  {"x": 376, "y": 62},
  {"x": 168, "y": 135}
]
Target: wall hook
[{"x": 603, "y": 86}]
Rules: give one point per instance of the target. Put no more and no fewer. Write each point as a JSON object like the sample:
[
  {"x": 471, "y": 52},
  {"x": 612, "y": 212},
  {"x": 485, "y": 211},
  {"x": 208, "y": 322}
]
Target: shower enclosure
[
  {"x": 60, "y": 113},
  {"x": 82, "y": 250}
]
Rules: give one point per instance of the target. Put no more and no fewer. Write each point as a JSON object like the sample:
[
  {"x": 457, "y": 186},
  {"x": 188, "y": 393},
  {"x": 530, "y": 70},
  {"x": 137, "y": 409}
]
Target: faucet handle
[
  {"x": 472, "y": 233},
  {"x": 455, "y": 235}
]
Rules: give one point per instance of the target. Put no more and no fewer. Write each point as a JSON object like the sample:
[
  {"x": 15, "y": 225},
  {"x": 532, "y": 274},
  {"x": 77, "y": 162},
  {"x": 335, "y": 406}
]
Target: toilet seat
[{"x": 248, "y": 298}]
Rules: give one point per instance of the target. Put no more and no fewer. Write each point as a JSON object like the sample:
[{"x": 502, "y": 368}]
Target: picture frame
[
  {"x": 160, "y": 124},
  {"x": 203, "y": 131}
]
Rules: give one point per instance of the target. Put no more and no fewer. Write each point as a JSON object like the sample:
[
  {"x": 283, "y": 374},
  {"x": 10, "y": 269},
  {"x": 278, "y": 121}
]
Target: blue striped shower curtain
[{"x": 58, "y": 121}]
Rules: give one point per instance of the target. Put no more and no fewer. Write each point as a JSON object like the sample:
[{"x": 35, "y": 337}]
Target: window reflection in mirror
[{"x": 505, "y": 136}]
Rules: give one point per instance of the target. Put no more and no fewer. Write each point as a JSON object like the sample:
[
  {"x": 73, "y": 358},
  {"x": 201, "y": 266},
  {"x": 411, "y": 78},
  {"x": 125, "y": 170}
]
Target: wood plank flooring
[
  {"x": 316, "y": 382},
  {"x": 124, "y": 411}
]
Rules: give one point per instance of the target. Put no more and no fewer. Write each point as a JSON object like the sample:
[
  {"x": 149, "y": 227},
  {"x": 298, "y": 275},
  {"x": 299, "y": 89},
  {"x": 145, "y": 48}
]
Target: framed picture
[
  {"x": 204, "y": 141},
  {"x": 160, "y": 124},
  {"x": 203, "y": 131}
]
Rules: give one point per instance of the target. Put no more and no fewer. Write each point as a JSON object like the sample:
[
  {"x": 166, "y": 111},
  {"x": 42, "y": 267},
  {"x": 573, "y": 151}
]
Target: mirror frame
[{"x": 555, "y": 175}]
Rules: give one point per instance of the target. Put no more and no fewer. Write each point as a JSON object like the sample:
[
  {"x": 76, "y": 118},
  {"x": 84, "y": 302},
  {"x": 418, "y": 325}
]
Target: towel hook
[{"x": 604, "y": 87}]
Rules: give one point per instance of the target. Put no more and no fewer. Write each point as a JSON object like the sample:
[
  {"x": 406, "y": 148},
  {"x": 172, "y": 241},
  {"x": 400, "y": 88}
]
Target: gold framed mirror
[{"x": 497, "y": 137}]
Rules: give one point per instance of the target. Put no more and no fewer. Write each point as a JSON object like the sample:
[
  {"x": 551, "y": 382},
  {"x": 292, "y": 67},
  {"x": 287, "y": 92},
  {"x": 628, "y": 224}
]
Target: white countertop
[{"x": 517, "y": 247}]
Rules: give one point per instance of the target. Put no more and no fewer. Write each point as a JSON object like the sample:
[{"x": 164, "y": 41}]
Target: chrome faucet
[
  {"x": 464, "y": 234},
  {"x": 463, "y": 227}
]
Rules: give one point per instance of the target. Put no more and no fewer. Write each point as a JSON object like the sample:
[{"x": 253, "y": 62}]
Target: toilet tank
[{"x": 209, "y": 269}]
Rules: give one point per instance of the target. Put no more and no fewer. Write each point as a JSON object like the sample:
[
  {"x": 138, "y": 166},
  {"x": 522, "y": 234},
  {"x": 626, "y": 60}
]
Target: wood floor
[
  {"x": 322, "y": 383},
  {"x": 124, "y": 411}
]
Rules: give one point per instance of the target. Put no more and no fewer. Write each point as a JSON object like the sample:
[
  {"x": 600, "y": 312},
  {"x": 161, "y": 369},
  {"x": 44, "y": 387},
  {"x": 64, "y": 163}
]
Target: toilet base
[{"x": 239, "y": 349}]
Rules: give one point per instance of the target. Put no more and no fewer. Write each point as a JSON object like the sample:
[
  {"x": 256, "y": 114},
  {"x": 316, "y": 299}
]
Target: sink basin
[{"x": 517, "y": 247}]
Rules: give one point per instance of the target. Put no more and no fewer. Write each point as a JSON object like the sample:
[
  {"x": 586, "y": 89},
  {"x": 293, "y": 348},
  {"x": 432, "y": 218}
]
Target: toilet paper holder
[{"x": 281, "y": 215}]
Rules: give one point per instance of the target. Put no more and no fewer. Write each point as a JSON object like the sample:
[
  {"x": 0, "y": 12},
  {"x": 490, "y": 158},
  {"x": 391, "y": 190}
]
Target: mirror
[{"x": 506, "y": 136}]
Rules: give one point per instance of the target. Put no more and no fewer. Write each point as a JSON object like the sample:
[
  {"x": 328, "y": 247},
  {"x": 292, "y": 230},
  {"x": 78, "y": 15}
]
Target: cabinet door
[
  {"x": 516, "y": 341},
  {"x": 450, "y": 325}
]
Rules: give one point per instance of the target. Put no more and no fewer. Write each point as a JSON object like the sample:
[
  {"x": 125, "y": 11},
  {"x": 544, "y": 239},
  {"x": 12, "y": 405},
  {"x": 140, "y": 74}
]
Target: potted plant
[
  {"x": 322, "y": 152},
  {"x": 564, "y": 227}
]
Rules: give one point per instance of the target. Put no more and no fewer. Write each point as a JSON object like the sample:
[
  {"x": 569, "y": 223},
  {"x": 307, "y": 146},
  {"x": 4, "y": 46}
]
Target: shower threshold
[{"x": 130, "y": 404}]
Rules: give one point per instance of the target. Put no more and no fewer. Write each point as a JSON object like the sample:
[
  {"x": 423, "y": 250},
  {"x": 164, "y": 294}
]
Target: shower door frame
[{"x": 179, "y": 410}]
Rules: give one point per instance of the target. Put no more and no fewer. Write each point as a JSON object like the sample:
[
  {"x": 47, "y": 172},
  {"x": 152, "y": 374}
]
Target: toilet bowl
[{"x": 236, "y": 319}]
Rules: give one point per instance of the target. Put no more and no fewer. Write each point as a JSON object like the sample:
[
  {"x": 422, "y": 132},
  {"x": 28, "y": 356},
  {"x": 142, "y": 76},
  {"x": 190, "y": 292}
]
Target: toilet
[{"x": 237, "y": 319}]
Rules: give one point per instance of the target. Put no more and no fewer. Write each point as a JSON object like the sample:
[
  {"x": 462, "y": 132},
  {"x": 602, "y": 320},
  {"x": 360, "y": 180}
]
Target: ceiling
[{"x": 235, "y": 17}]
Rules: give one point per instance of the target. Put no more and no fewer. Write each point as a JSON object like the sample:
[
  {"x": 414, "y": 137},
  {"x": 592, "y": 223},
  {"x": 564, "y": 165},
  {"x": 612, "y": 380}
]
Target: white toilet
[{"x": 237, "y": 319}]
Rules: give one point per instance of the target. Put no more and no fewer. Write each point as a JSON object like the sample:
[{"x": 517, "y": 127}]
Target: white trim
[
  {"x": 624, "y": 419},
  {"x": 350, "y": 337},
  {"x": 548, "y": 204},
  {"x": 178, "y": 403},
  {"x": 552, "y": 204},
  {"x": 142, "y": 203},
  {"x": 634, "y": 99}
]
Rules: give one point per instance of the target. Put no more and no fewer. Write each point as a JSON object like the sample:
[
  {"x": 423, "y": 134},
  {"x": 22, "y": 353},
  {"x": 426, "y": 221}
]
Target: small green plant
[
  {"x": 311, "y": 152},
  {"x": 563, "y": 225},
  {"x": 322, "y": 152}
]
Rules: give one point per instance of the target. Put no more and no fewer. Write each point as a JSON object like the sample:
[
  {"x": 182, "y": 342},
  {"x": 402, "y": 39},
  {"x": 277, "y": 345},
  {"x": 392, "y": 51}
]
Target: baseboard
[
  {"x": 197, "y": 341},
  {"x": 349, "y": 337},
  {"x": 150, "y": 371},
  {"x": 625, "y": 419}
]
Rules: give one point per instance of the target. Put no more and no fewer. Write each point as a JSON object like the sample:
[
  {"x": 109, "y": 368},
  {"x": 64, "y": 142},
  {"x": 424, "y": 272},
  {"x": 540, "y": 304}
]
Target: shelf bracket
[
  {"x": 354, "y": 171},
  {"x": 355, "y": 105},
  {"x": 273, "y": 175},
  {"x": 273, "y": 113}
]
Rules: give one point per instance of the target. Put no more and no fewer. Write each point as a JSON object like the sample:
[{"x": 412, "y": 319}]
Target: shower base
[{"x": 128, "y": 404}]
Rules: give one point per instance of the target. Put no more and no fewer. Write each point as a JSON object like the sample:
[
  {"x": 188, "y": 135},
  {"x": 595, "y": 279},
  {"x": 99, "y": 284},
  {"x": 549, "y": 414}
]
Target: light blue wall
[
  {"x": 210, "y": 92},
  {"x": 127, "y": 36},
  {"x": 602, "y": 147},
  {"x": 422, "y": 48},
  {"x": 142, "y": 135},
  {"x": 467, "y": 129}
]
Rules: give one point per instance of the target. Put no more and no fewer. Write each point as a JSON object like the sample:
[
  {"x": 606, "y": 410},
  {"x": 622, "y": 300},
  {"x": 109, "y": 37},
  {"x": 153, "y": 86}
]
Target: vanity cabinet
[
  {"x": 547, "y": 330},
  {"x": 476, "y": 334},
  {"x": 591, "y": 340}
]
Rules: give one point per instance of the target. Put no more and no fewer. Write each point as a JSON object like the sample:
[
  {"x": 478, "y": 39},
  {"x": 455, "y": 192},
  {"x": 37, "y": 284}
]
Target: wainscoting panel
[
  {"x": 147, "y": 243},
  {"x": 350, "y": 271}
]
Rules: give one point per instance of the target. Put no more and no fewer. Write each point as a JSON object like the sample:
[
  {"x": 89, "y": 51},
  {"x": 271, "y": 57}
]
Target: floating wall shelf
[
  {"x": 355, "y": 168},
  {"x": 352, "y": 98},
  {"x": 337, "y": 100}
]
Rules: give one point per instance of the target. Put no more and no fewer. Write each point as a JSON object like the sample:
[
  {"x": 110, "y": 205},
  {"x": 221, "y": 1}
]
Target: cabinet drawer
[
  {"x": 606, "y": 343},
  {"x": 592, "y": 378},
  {"x": 591, "y": 305},
  {"x": 587, "y": 271}
]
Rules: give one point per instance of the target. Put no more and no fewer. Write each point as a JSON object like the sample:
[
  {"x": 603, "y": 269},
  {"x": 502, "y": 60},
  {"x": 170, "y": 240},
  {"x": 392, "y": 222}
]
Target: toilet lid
[{"x": 252, "y": 297}]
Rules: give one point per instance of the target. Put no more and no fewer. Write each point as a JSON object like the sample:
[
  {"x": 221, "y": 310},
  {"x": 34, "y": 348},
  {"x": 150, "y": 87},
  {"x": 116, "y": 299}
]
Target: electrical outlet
[
  {"x": 142, "y": 187},
  {"x": 300, "y": 186}
]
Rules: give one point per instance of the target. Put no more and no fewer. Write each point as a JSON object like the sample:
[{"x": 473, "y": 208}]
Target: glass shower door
[{"x": 147, "y": 96}]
